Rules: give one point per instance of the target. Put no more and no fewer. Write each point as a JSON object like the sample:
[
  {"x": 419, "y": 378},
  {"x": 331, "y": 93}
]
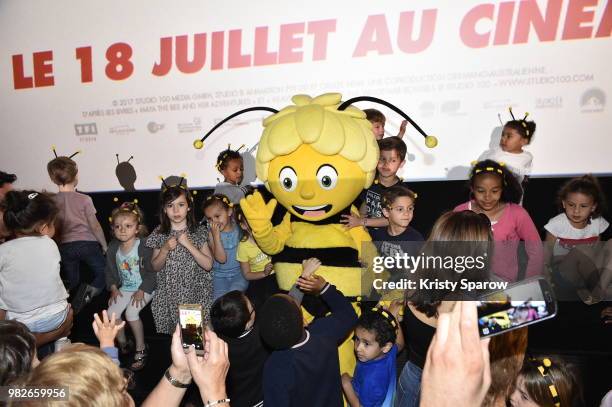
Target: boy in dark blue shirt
[{"x": 303, "y": 369}]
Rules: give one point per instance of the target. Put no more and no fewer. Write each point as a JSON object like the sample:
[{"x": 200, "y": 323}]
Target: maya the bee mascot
[{"x": 315, "y": 158}]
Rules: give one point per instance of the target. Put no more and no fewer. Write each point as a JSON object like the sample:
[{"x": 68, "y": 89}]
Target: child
[
  {"x": 516, "y": 134},
  {"x": 256, "y": 266},
  {"x": 496, "y": 194},
  {"x": 233, "y": 319},
  {"x": 580, "y": 223},
  {"x": 181, "y": 257},
  {"x": 303, "y": 369},
  {"x": 582, "y": 202},
  {"x": 129, "y": 276},
  {"x": 231, "y": 166},
  {"x": 227, "y": 275},
  {"x": 546, "y": 382},
  {"x": 398, "y": 208},
  {"x": 378, "y": 340},
  {"x": 81, "y": 236},
  {"x": 392, "y": 158},
  {"x": 378, "y": 123},
  {"x": 31, "y": 290}
]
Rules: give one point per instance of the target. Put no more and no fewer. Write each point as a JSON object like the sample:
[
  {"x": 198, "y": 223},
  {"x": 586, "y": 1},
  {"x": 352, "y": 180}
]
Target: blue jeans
[
  {"x": 49, "y": 323},
  {"x": 224, "y": 284},
  {"x": 409, "y": 386},
  {"x": 87, "y": 251}
]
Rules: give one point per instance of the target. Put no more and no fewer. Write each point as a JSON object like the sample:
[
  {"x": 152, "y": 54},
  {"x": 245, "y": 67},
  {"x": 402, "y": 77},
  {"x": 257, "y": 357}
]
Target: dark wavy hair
[
  {"x": 511, "y": 189},
  {"x": 586, "y": 185},
  {"x": 225, "y": 157},
  {"x": 524, "y": 128},
  {"x": 17, "y": 350},
  {"x": 168, "y": 195},
  {"x": 24, "y": 211},
  {"x": 384, "y": 331}
]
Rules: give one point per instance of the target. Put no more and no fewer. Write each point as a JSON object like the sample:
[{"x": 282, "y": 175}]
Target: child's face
[
  {"x": 176, "y": 211},
  {"x": 233, "y": 171},
  {"x": 125, "y": 228},
  {"x": 378, "y": 128},
  {"x": 487, "y": 190},
  {"x": 511, "y": 141},
  {"x": 217, "y": 213},
  {"x": 366, "y": 347},
  {"x": 578, "y": 208},
  {"x": 400, "y": 212},
  {"x": 389, "y": 163},
  {"x": 520, "y": 397}
]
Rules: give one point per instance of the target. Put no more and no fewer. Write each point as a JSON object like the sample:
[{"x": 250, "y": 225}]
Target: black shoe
[{"x": 83, "y": 296}]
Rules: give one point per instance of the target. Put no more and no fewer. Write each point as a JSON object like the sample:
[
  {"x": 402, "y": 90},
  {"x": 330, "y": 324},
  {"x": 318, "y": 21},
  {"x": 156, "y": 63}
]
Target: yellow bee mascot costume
[{"x": 315, "y": 158}]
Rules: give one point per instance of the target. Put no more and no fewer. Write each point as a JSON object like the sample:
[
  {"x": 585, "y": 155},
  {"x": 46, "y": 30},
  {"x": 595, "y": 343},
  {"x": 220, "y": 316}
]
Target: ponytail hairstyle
[
  {"x": 132, "y": 210},
  {"x": 27, "y": 211},
  {"x": 587, "y": 185},
  {"x": 168, "y": 195},
  {"x": 511, "y": 189}
]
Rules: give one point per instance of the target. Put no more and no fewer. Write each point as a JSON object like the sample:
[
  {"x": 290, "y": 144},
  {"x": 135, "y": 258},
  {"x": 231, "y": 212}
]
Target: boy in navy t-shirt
[{"x": 392, "y": 158}]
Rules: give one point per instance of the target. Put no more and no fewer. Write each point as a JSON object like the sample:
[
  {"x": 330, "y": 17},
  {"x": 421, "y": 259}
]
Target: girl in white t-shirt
[
  {"x": 31, "y": 290},
  {"x": 572, "y": 238}
]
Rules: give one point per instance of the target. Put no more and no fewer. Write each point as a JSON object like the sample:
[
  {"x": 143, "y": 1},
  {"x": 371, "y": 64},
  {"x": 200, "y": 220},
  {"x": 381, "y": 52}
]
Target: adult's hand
[
  {"x": 210, "y": 370},
  {"x": 457, "y": 370}
]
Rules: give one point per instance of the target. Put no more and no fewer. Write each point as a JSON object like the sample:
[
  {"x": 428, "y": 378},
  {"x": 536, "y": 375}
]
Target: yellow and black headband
[
  {"x": 543, "y": 366},
  {"x": 386, "y": 315}
]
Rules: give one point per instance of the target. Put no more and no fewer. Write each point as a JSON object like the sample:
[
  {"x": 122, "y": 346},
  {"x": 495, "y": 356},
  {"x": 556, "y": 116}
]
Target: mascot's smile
[{"x": 312, "y": 211}]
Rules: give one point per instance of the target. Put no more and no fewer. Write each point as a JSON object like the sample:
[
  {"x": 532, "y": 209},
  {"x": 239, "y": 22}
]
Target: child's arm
[
  {"x": 245, "y": 267},
  {"x": 343, "y": 317},
  {"x": 349, "y": 392},
  {"x": 402, "y": 129},
  {"x": 309, "y": 266},
  {"x": 201, "y": 255},
  {"x": 106, "y": 330},
  {"x": 215, "y": 243},
  {"x": 160, "y": 255},
  {"x": 97, "y": 231},
  {"x": 549, "y": 245}
]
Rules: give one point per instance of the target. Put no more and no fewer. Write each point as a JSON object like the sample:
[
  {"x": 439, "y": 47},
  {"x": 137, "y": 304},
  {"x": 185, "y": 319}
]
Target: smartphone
[
  {"x": 519, "y": 305},
  {"x": 192, "y": 331}
]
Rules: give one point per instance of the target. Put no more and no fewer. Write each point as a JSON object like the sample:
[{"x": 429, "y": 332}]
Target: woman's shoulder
[{"x": 462, "y": 207}]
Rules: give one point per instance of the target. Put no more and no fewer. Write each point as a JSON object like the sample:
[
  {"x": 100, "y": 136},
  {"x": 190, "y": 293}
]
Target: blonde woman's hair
[
  {"x": 318, "y": 123},
  {"x": 92, "y": 379}
]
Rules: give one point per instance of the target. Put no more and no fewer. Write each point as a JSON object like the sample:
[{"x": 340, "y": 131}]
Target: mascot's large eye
[
  {"x": 327, "y": 177},
  {"x": 288, "y": 179}
]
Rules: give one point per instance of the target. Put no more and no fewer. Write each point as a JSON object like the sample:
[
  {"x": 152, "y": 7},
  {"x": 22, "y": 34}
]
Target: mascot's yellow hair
[{"x": 318, "y": 123}]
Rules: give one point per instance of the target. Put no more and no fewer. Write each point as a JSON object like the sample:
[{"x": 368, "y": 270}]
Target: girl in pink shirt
[{"x": 496, "y": 193}]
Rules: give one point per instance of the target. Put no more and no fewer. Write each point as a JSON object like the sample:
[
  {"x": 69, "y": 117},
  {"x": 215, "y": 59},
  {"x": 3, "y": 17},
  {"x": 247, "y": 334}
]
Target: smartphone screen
[
  {"x": 520, "y": 304},
  {"x": 190, "y": 317}
]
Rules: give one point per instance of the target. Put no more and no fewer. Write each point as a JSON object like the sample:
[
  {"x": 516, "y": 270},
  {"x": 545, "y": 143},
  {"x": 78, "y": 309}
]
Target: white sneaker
[{"x": 62, "y": 343}]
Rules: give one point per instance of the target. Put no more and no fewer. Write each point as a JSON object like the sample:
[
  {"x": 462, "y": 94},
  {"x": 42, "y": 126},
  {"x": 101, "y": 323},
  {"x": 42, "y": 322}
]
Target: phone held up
[
  {"x": 521, "y": 304},
  {"x": 192, "y": 330}
]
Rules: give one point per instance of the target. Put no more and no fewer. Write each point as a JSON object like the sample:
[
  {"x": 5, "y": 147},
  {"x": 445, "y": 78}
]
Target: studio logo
[
  {"x": 190, "y": 127},
  {"x": 593, "y": 101},
  {"x": 86, "y": 129},
  {"x": 451, "y": 107},
  {"x": 553, "y": 102},
  {"x": 497, "y": 104},
  {"x": 121, "y": 130},
  {"x": 154, "y": 127}
]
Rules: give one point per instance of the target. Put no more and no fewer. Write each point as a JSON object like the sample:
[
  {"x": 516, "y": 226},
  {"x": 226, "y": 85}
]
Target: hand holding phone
[
  {"x": 521, "y": 304},
  {"x": 192, "y": 331}
]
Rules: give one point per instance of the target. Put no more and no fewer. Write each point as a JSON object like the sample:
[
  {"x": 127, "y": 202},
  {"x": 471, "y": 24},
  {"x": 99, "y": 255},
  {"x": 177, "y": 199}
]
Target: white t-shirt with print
[{"x": 569, "y": 236}]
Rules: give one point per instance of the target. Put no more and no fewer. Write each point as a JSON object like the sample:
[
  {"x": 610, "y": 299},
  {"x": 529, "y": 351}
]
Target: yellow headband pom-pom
[
  {"x": 473, "y": 163},
  {"x": 115, "y": 199},
  {"x": 135, "y": 201},
  {"x": 198, "y": 144}
]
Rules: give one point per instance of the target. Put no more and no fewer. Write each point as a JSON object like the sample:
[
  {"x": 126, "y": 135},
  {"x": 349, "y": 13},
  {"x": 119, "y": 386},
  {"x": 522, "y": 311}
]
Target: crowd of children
[{"x": 274, "y": 354}]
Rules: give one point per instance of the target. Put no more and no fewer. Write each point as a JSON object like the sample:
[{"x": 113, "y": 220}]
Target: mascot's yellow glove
[{"x": 258, "y": 213}]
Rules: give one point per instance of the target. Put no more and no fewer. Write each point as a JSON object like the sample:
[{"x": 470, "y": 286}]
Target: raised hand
[{"x": 256, "y": 210}]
